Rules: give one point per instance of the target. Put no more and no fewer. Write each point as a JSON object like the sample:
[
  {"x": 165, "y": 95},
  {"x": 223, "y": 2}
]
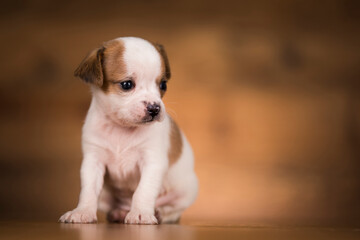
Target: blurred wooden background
[{"x": 266, "y": 91}]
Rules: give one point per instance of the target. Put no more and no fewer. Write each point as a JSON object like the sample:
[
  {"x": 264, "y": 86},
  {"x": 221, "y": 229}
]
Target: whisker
[{"x": 172, "y": 111}]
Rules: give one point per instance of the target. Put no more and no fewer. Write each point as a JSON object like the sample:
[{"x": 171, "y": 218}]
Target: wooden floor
[{"x": 40, "y": 230}]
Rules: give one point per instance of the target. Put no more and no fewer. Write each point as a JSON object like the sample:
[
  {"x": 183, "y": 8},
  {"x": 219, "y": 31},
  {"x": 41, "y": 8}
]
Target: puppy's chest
[
  {"x": 124, "y": 160},
  {"x": 126, "y": 150},
  {"x": 124, "y": 165}
]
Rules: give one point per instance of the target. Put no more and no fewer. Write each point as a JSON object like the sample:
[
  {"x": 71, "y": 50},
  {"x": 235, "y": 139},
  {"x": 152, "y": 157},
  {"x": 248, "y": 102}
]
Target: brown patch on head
[
  {"x": 176, "y": 143},
  {"x": 104, "y": 66},
  {"x": 165, "y": 66},
  {"x": 114, "y": 65}
]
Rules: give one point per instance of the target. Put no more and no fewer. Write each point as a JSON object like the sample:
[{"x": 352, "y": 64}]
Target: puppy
[{"x": 137, "y": 164}]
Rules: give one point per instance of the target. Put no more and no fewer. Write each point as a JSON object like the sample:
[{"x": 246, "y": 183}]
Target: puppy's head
[{"x": 129, "y": 78}]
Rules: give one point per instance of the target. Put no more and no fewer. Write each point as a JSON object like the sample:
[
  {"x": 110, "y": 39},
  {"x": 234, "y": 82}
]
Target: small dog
[{"x": 137, "y": 165}]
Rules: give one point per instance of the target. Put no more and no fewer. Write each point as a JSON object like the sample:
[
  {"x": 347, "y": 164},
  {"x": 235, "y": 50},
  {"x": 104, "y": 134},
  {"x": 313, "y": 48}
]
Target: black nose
[{"x": 153, "y": 109}]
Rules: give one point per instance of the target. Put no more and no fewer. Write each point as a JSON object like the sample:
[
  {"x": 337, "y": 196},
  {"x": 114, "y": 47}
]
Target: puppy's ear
[
  {"x": 163, "y": 54},
  {"x": 90, "y": 69}
]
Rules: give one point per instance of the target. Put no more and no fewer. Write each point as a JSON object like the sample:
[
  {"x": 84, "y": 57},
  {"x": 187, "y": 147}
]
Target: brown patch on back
[{"x": 176, "y": 143}]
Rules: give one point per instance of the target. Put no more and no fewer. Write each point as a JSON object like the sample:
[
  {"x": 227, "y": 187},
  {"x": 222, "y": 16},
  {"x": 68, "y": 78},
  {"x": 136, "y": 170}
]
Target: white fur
[{"x": 134, "y": 155}]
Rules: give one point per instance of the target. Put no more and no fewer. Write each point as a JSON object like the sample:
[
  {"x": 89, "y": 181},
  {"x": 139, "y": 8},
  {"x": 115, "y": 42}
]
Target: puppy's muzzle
[{"x": 152, "y": 112}]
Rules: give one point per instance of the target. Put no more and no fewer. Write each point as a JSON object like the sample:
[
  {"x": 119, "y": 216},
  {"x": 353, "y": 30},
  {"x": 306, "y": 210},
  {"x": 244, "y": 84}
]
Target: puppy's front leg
[
  {"x": 92, "y": 178},
  {"x": 143, "y": 201}
]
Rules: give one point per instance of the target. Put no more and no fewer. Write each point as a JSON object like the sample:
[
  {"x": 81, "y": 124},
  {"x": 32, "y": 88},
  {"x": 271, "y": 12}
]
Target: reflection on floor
[{"x": 37, "y": 230}]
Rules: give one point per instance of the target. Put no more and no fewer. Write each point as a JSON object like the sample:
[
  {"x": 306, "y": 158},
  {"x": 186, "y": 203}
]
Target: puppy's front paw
[
  {"x": 137, "y": 217},
  {"x": 79, "y": 216}
]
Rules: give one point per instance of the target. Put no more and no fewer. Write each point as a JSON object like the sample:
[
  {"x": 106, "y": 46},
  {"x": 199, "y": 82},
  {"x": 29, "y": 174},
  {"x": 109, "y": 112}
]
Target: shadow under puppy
[{"x": 137, "y": 164}]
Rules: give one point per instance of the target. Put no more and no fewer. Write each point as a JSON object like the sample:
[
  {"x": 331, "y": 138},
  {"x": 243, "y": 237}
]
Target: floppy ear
[
  {"x": 90, "y": 69},
  {"x": 162, "y": 52}
]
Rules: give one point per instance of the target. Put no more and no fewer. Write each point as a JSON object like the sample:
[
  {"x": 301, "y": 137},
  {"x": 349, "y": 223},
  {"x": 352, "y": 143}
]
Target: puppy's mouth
[{"x": 149, "y": 119}]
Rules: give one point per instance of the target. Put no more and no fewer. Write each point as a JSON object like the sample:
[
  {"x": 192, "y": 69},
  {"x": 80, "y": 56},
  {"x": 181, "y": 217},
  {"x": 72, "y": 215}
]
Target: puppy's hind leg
[
  {"x": 168, "y": 217},
  {"x": 115, "y": 209},
  {"x": 171, "y": 205},
  {"x": 117, "y": 215}
]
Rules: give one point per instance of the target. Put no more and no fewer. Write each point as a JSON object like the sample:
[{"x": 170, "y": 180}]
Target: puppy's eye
[
  {"x": 127, "y": 85},
  {"x": 163, "y": 85}
]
